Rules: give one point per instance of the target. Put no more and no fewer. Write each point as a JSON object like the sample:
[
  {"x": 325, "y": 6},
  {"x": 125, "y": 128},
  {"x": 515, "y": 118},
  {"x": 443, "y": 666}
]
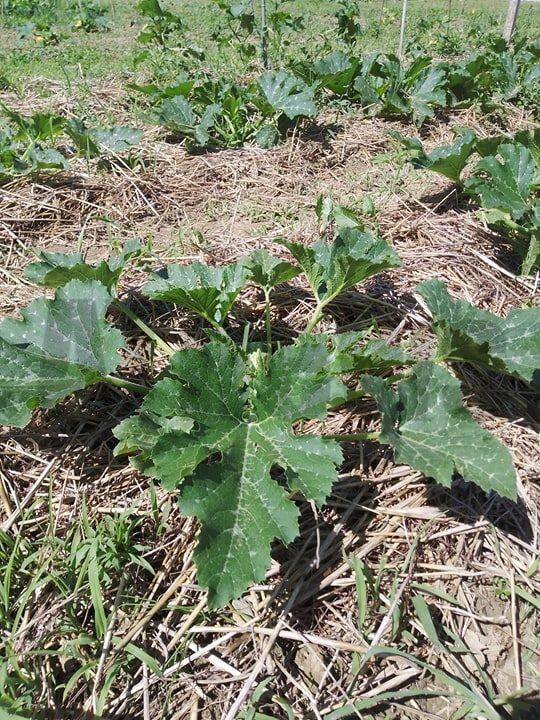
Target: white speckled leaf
[
  {"x": 509, "y": 345},
  {"x": 353, "y": 256},
  {"x": 59, "y": 346},
  {"x": 71, "y": 327},
  {"x": 29, "y": 380},
  {"x": 208, "y": 291},
  {"x": 247, "y": 420},
  {"x": 507, "y": 184},
  {"x": 430, "y": 430}
]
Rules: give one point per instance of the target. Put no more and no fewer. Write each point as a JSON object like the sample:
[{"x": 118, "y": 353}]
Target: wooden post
[
  {"x": 508, "y": 30},
  {"x": 264, "y": 35},
  {"x": 402, "y": 29}
]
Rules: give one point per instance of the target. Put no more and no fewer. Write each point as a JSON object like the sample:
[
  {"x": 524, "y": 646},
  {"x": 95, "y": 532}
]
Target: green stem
[
  {"x": 354, "y": 437},
  {"x": 144, "y": 327},
  {"x": 267, "y": 321},
  {"x": 355, "y": 395},
  {"x": 218, "y": 328},
  {"x": 126, "y": 384},
  {"x": 317, "y": 315}
]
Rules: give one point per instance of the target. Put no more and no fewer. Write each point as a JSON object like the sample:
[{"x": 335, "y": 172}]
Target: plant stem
[
  {"x": 267, "y": 321},
  {"x": 218, "y": 328},
  {"x": 355, "y": 395},
  {"x": 144, "y": 327},
  {"x": 317, "y": 315},
  {"x": 126, "y": 384},
  {"x": 354, "y": 437}
]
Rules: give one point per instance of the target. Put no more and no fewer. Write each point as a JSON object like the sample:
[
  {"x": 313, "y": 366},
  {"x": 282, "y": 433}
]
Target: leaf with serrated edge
[
  {"x": 208, "y": 291},
  {"x": 60, "y": 346},
  {"x": 267, "y": 270},
  {"x": 56, "y": 269},
  {"x": 287, "y": 94},
  {"x": 506, "y": 184},
  {"x": 29, "y": 380},
  {"x": 449, "y": 160},
  {"x": 247, "y": 420},
  {"x": 430, "y": 430},
  {"x": 71, "y": 327},
  {"x": 353, "y": 256},
  {"x": 509, "y": 345},
  {"x": 356, "y": 352}
]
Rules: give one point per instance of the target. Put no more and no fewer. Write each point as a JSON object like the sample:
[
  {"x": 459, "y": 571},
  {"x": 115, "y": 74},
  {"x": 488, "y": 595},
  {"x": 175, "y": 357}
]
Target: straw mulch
[{"x": 299, "y": 629}]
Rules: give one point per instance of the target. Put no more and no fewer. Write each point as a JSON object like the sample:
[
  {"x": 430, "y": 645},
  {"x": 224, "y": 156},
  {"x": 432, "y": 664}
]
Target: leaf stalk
[
  {"x": 353, "y": 437},
  {"x": 126, "y": 384},
  {"x": 267, "y": 319},
  {"x": 317, "y": 315},
  {"x": 144, "y": 327}
]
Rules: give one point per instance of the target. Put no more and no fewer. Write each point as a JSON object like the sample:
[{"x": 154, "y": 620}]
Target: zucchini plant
[
  {"x": 504, "y": 182},
  {"x": 221, "y": 425},
  {"x": 219, "y": 114},
  {"x": 28, "y": 143}
]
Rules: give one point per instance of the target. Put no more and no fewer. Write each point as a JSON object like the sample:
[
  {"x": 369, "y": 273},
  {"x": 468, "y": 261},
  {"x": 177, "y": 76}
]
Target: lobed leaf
[
  {"x": 287, "y": 94},
  {"x": 267, "y": 270},
  {"x": 505, "y": 184},
  {"x": 352, "y": 257},
  {"x": 207, "y": 291},
  {"x": 55, "y": 269},
  {"x": 245, "y": 415},
  {"x": 448, "y": 160},
  {"x": 426, "y": 92},
  {"x": 430, "y": 430},
  {"x": 357, "y": 352},
  {"x": 509, "y": 345},
  {"x": 59, "y": 346}
]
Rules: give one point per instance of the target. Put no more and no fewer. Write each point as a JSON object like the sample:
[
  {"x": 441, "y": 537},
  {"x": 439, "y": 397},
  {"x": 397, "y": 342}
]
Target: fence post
[
  {"x": 402, "y": 29},
  {"x": 264, "y": 35},
  {"x": 508, "y": 30}
]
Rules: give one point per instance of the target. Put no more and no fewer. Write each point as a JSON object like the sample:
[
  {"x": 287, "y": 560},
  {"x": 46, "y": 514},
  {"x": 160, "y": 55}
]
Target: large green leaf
[
  {"x": 267, "y": 270},
  {"x": 177, "y": 115},
  {"x": 509, "y": 345},
  {"x": 448, "y": 160},
  {"x": 333, "y": 267},
  {"x": 430, "y": 430},
  {"x": 208, "y": 291},
  {"x": 505, "y": 184},
  {"x": 287, "y": 94},
  {"x": 358, "y": 352},
  {"x": 59, "y": 346},
  {"x": 117, "y": 139},
  {"x": 29, "y": 380},
  {"x": 427, "y": 92},
  {"x": 336, "y": 72},
  {"x": 244, "y": 413},
  {"x": 55, "y": 269}
]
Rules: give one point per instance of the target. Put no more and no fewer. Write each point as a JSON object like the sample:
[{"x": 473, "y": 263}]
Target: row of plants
[
  {"x": 216, "y": 113},
  {"x": 46, "y": 141},
  {"x": 503, "y": 179},
  {"x": 47, "y": 21},
  {"x": 222, "y": 424}
]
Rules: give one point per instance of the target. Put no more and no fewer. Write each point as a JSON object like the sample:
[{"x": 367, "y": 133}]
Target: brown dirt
[{"x": 301, "y": 624}]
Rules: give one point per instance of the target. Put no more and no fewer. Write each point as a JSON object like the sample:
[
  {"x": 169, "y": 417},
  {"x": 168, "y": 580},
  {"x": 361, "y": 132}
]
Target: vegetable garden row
[
  {"x": 289, "y": 482},
  {"x": 234, "y": 406}
]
